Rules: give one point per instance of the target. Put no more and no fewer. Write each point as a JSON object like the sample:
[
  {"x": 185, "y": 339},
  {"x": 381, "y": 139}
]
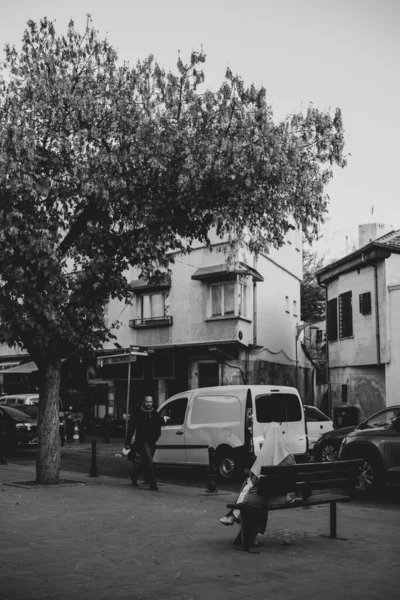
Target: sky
[{"x": 332, "y": 53}]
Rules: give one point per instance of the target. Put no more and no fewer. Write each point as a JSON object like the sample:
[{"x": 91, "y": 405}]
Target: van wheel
[{"x": 227, "y": 464}]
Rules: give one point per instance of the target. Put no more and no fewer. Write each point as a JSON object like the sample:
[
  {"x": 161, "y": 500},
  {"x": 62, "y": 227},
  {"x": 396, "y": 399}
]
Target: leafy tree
[
  {"x": 312, "y": 295},
  {"x": 105, "y": 165}
]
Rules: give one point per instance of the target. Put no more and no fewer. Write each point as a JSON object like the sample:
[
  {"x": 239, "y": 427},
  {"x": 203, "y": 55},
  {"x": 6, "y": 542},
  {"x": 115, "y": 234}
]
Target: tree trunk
[{"x": 49, "y": 450}]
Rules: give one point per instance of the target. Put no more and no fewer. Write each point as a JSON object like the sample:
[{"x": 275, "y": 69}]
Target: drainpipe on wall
[
  {"x": 328, "y": 379},
  {"x": 246, "y": 367},
  {"x": 254, "y": 313},
  {"x": 378, "y": 331}
]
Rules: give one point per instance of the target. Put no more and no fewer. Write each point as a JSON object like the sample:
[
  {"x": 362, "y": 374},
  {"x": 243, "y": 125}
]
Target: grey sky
[{"x": 341, "y": 53}]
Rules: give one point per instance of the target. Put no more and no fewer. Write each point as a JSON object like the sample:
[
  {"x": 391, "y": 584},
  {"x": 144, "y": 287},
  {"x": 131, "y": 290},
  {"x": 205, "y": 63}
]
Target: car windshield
[
  {"x": 15, "y": 413},
  {"x": 383, "y": 419}
]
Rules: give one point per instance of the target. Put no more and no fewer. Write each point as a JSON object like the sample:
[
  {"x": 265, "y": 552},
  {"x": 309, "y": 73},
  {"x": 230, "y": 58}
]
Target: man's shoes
[
  {"x": 154, "y": 487},
  {"x": 134, "y": 481}
]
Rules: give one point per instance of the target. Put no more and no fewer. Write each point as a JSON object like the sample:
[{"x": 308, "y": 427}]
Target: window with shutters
[
  {"x": 332, "y": 320},
  {"x": 365, "y": 303},
  {"x": 345, "y": 315}
]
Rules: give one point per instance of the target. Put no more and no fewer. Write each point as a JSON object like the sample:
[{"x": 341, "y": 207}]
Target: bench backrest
[{"x": 309, "y": 476}]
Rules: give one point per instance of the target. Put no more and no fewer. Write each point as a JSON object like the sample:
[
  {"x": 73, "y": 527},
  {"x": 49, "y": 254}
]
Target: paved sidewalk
[{"x": 103, "y": 539}]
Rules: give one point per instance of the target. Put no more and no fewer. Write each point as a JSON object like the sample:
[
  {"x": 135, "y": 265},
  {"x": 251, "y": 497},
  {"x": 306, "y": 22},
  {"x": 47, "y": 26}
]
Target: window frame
[
  {"x": 140, "y": 311},
  {"x": 332, "y": 320},
  {"x": 365, "y": 303},
  {"x": 240, "y": 298},
  {"x": 346, "y": 315},
  {"x": 174, "y": 422}
]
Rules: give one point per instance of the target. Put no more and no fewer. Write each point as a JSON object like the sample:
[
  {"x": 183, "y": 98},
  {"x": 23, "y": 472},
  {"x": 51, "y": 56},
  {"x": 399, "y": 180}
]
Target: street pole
[
  {"x": 128, "y": 392},
  {"x": 299, "y": 329}
]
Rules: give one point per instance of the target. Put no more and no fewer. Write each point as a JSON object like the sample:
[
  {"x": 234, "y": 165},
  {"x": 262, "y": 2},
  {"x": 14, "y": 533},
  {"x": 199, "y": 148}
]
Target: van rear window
[{"x": 278, "y": 407}]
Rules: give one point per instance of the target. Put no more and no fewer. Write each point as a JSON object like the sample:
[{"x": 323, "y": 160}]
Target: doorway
[{"x": 208, "y": 374}]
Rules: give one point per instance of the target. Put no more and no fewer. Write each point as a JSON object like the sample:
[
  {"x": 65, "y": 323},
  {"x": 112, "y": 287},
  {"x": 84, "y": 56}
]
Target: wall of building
[
  {"x": 276, "y": 313},
  {"x": 368, "y": 232},
  {"x": 188, "y": 302},
  {"x": 393, "y": 367},
  {"x": 361, "y": 348},
  {"x": 365, "y": 388}
]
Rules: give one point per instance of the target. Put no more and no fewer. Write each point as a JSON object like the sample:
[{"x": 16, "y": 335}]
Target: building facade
[
  {"x": 207, "y": 324},
  {"x": 363, "y": 326}
]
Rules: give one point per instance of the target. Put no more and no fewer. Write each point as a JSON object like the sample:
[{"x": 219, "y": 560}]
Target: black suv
[
  {"x": 327, "y": 446},
  {"x": 378, "y": 444}
]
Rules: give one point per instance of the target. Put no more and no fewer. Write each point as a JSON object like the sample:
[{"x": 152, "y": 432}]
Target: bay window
[{"x": 229, "y": 298}]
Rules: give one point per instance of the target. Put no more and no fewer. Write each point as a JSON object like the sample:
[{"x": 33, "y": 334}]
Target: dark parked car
[
  {"x": 327, "y": 446},
  {"x": 379, "y": 446},
  {"x": 23, "y": 434},
  {"x": 20, "y": 429},
  {"x": 317, "y": 424}
]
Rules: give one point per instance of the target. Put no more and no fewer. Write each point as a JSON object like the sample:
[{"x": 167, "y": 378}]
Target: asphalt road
[{"x": 110, "y": 465}]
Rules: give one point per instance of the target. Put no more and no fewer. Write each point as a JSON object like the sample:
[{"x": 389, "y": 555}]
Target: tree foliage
[
  {"x": 105, "y": 165},
  {"x": 312, "y": 295}
]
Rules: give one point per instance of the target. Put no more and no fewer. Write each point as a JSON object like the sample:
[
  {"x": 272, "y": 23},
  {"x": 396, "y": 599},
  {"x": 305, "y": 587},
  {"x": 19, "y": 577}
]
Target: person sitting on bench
[{"x": 274, "y": 452}]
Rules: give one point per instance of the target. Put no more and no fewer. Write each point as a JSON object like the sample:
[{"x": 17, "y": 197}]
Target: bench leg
[
  {"x": 333, "y": 527},
  {"x": 333, "y": 523}
]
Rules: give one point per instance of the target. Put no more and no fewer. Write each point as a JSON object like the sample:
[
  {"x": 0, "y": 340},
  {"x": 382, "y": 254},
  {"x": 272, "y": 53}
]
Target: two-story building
[
  {"x": 207, "y": 324},
  {"x": 363, "y": 325}
]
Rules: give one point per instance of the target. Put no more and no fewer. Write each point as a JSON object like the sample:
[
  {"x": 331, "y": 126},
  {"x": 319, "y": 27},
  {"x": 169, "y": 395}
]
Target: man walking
[{"x": 146, "y": 425}]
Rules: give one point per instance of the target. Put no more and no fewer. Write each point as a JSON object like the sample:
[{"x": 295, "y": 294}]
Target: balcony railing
[{"x": 151, "y": 322}]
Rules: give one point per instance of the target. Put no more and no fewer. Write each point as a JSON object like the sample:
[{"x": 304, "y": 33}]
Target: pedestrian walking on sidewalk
[
  {"x": 143, "y": 432},
  {"x": 274, "y": 452}
]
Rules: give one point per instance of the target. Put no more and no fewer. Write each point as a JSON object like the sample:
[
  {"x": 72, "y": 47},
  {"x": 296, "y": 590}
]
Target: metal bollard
[
  {"x": 212, "y": 472},
  {"x": 3, "y": 454},
  {"x": 93, "y": 466},
  {"x": 106, "y": 433}
]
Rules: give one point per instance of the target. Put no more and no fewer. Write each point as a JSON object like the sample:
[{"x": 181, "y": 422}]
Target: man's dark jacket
[{"x": 147, "y": 425}]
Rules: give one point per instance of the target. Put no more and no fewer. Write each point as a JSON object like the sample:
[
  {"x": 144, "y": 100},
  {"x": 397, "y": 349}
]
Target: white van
[{"x": 231, "y": 419}]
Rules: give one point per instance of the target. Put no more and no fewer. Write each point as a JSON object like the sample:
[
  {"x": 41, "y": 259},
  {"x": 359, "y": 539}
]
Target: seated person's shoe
[
  {"x": 290, "y": 498},
  {"x": 227, "y": 520}
]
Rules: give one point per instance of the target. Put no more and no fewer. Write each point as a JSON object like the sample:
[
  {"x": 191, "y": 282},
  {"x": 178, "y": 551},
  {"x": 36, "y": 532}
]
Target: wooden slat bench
[{"x": 305, "y": 478}]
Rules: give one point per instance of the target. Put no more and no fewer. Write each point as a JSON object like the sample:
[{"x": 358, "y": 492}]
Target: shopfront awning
[
  {"x": 214, "y": 272},
  {"x": 28, "y": 367}
]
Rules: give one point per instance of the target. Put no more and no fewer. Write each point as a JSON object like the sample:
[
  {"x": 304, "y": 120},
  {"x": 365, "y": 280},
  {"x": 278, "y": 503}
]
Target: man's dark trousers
[{"x": 146, "y": 451}]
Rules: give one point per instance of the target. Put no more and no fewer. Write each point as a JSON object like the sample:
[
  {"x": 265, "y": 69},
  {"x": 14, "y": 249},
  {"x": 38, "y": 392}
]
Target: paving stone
[{"x": 110, "y": 540}]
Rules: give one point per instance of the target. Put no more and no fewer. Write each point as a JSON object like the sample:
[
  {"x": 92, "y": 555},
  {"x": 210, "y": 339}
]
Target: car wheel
[
  {"x": 227, "y": 463},
  {"x": 329, "y": 453},
  {"x": 369, "y": 477}
]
